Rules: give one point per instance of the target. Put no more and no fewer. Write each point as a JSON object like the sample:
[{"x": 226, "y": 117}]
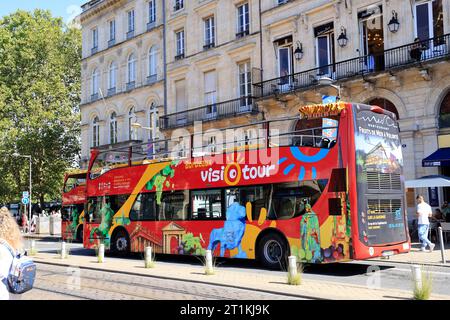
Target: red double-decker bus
[
  {"x": 331, "y": 189},
  {"x": 73, "y": 201}
]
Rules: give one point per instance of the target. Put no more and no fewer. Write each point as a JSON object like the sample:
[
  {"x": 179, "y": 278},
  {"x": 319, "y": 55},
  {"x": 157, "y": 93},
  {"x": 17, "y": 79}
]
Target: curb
[
  {"x": 186, "y": 280},
  {"x": 435, "y": 264}
]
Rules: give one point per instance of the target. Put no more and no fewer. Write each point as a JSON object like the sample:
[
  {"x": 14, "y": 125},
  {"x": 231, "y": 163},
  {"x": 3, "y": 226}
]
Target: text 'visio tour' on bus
[
  {"x": 73, "y": 201},
  {"x": 325, "y": 186}
]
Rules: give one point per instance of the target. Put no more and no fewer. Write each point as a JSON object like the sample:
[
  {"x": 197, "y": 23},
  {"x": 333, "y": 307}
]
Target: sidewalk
[
  {"x": 245, "y": 278},
  {"x": 41, "y": 236},
  {"x": 415, "y": 256}
]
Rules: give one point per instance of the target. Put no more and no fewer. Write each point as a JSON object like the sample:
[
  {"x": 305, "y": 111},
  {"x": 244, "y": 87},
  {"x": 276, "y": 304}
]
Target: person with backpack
[{"x": 17, "y": 273}]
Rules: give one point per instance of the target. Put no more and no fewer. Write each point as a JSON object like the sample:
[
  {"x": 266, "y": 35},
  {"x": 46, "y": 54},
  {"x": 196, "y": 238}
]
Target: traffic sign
[
  {"x": 25, "y": 201},
  {"x": 25, "y": 194}
]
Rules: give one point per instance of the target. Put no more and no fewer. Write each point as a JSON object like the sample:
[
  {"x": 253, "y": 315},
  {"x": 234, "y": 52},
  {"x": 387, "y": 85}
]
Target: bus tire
[
  {"x": 272, "y": 251},
  {"x": 79, "y": 236},
  {"x": 120, "y": 243}
]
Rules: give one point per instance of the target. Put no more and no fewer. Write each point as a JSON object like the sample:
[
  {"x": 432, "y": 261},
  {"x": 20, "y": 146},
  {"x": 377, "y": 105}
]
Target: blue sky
[{"x": 66, "y": 9}]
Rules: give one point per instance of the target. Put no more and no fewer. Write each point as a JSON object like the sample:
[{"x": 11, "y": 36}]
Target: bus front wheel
[
  {"x": 120, "y": 244},
  {"x": 272, "y": 251}
]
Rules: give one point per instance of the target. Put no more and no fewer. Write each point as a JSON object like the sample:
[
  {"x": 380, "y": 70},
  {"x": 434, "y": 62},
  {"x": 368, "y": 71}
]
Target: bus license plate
[{"x": 387, "y": 253}]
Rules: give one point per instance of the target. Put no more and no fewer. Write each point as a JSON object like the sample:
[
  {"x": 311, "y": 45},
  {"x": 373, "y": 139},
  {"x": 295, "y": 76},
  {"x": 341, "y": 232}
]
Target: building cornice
[{"x": 97, "y": 8}]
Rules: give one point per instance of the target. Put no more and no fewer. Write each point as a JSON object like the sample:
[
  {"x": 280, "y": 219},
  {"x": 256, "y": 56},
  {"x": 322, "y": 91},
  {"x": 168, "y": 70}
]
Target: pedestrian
[
  {"x": 9, "y": 236},
  {"x": 446, "y": 211},
  {"x": 423, "y": 213},
  {"x": 25, "y": 223}
]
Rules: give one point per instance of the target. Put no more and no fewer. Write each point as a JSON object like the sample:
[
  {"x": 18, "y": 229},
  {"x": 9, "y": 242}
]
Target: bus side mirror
[{"x": 338, "y": 181}]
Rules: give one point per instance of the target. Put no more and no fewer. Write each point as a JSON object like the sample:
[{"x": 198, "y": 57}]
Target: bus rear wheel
[
  {"x": 120, "y": 244},
  {"x": 272, "y": 251}
]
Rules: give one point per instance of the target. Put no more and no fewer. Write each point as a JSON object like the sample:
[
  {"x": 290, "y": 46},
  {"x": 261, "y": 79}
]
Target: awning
[
  {"x": 439, "y": 158},
  {"x": 428, "y": 182}
]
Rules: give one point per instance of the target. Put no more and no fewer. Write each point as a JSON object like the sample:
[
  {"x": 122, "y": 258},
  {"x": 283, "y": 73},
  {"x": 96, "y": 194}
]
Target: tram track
[{"x": 96, "y": 284}]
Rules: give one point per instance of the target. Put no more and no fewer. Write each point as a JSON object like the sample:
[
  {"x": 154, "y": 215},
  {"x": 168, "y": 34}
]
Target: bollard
[
  {"x": 293, "y": 266},
  {"x": 33, "y": 246},
  {"x": 417, "y": 276},
  {"x": 148, "y": 257},
  {"x": 209, "y": 263},
  {"x": 63, "y": 250},
  {"x": 441, "y": 241},
  {"x": 101, "y": 253}
]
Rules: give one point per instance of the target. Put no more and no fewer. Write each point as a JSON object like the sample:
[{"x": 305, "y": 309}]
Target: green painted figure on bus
[
  {"x": 310, "y": 236},
  {"x": 102, "y": 231},
  {"x": 74, "y": 218}
]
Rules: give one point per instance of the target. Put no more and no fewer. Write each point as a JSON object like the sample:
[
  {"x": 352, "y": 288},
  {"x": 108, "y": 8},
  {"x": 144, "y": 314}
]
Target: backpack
[{"x": 21, "y": 274}]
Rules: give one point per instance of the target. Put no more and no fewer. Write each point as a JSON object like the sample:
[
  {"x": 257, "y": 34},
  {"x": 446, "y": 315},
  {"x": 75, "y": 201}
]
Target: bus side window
[
  {"x": 338, "y": 181},
  {"x": 206, "y": 204},
  {"x": 144, "y": 208}
]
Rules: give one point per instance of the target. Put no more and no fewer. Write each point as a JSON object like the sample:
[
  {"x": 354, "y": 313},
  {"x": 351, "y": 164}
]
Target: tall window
[
  {"x": 209, "y": 32},
  {"x": 245, "y": 83},
  {"x": 325, "y": 54},
  {"x": 95, "y": 79},
  {"x": 151, "y": 11},
  {"x": 178, "y": 5},
  {"x": 243, "y": 27},
  {"x": 429, "y": 22},
  {"x": 112, "y": 75},
  {"x": 285, "y": 62},
  {"x": 153, "y": 122},
  {"x": 210, "y": 87},
  {"x": 444, "y": 113},
  {"x": 112, "y": 30},
  {"x": 94, "y": 38},
  {"x": 131, "y": 20},
  {"x": 152, "y": 62},
  {"x": 95, "y": 132},
  {"x": 180, "y": 43},
  {"x": 131, "y": 69},
  {"x": 113, "y": 128},
  {"x": 180, "y": 92},
  {"x": 132, "y": 134}
]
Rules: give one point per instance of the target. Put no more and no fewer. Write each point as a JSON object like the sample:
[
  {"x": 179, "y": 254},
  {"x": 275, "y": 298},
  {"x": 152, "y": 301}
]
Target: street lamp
[
  {"x": 15, "y": 154},
  {"x": 326, "y": 81},
  {"x": 394, "y": 24}
]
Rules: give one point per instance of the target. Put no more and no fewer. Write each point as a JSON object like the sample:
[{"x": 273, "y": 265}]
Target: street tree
[{"x": 40, "y": 73}]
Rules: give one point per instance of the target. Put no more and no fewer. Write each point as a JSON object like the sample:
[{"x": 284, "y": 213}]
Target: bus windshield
[{"x": 379, "y": 165}]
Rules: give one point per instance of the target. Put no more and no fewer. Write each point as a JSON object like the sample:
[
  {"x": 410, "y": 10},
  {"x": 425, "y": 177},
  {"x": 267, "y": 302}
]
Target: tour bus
[
  {"x": 73, "y": 201},
  {"x": 331, "y": 189}
]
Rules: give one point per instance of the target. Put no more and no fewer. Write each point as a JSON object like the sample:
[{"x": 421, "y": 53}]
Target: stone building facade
[{"x": 230, "y": 62}]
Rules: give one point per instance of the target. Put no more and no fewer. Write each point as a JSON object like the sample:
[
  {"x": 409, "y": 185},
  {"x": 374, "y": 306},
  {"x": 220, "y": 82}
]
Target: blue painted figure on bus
[
  {"x": 230, "y": 236},
  {"x": 310, "y": 235}
]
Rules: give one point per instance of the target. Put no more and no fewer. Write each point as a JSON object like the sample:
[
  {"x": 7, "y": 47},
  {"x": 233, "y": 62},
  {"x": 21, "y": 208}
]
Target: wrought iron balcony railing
[
  {"x": 210, "y": 112},
  {"x": 391, "y": 59}
]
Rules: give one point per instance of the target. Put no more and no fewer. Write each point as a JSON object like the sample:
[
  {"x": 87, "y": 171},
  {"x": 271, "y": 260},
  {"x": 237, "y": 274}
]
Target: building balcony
[
  {"x": 111, "y": 43},
  {"x": 151, "y": 25},
  {"x": 242, "y": 34},
  {"x": 111, "y": 91},
  {"x": 130, "y": 34},
  {"x": 208, "y": 46},
  {"x": 212, "y": 112},
  {"x": 94, "y": 97},
  {"x": 405, "y": 56},
  {"x": 151, "y": 79},
  {"x": 130, "y": 85},
  {"x": 179, "y": 56}
]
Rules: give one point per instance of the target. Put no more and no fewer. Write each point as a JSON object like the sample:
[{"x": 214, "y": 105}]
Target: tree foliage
[{"x": 40, "y": 76}]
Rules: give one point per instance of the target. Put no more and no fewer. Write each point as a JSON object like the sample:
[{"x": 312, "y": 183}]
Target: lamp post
[
  {"x": 15, "y": 154},
  {"x": 325, "y": 81},
  {"x": 151, "y": 129}
]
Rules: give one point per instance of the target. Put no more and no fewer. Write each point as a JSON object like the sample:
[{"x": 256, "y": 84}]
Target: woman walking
[{"x": 9, "y": 236}]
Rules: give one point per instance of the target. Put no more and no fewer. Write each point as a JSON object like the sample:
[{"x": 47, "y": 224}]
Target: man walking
[{"x": 423, "y": 212}]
